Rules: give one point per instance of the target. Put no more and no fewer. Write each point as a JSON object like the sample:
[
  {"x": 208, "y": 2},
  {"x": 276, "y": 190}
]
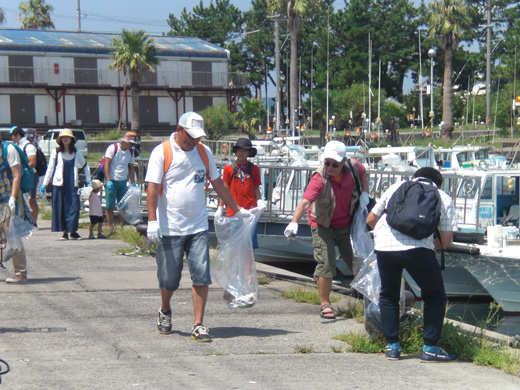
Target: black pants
[{"x": 423, "y": 267}]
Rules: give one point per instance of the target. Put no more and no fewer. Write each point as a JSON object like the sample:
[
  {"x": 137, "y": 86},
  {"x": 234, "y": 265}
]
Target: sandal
[{"x": 328, "y": 315}]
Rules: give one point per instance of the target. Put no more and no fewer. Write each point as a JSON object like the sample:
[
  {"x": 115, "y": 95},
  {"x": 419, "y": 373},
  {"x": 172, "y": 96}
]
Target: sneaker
[
  {"x": 91, "y": 237},
  {"x": 17, "y": 279},
  {"x": 200, "y": 333},
  {"x": 101, "y": 235},
  {"x": 65, "y": 236},
  {"x": 393, "y": 353},
  {"x": 164, "y": 322},
  {"x": 75, "y": 236},
  {"x": 436, "y": 356}
]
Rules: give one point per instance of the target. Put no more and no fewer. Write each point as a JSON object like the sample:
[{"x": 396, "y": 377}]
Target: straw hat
[
  {"x": 66, "y": 133},
  {"x": 96, "y": 184}
]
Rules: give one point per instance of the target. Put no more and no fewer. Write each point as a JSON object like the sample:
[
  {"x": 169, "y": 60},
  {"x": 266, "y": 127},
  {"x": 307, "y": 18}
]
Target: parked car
[{"x": 48, "y": 142}]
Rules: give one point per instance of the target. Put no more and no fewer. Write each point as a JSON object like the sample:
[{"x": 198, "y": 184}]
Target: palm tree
[
  {"x": 134, "y": 54},
  {"x": 294, "y": 10},
  {"x": 36, "y": 15},
  {"x": 250, "y": 115},
  {"x": 448, "y": 19}
]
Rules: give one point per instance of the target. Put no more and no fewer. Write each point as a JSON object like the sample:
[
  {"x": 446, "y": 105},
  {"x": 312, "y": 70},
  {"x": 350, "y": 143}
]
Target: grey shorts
[
  {"x": 325, "y": 241},
  {"x": 170, "y": 256}
]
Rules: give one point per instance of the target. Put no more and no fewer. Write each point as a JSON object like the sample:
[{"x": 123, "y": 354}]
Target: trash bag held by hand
[
  {"x": 129, "y": 206},
  {"x": 84, "y": 193},
  {"x": 234, "y": 269},
  {"x": 18, "y": 230},
  {"x": 362, "y": 241}
]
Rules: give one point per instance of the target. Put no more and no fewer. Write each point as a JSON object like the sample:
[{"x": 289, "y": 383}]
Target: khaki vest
[{"x": 323, "y": 208}]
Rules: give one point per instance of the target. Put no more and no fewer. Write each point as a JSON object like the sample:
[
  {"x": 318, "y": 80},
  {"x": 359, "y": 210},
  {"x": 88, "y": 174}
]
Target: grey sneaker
[
  {"x": 164, "y": 322},
  {"x": 16, "y": 279},
  {"x": 201, "y": 333}
]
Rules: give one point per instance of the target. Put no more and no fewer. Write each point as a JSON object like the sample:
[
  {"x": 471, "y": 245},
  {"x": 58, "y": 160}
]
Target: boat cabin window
[
  {"x": 507, "y": 185},
  {"x": 468, "y": 188},
  {"x": 482, "y": 154},
  {"x": 488, "y": 189}
]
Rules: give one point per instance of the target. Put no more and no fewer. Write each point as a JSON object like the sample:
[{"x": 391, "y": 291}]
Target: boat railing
[{"x": 283, "y": 187}]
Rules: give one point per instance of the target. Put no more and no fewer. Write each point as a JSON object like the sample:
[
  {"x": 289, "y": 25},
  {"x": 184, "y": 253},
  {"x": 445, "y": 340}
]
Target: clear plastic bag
[
  {"x": 234, "y": 269},
  {"x": 84, "y": 193},
  {"x": 362, "y": 241},
  {"x": 18, "y": 230},
  {"x": 129, "y": 206},
  {"x": 368, "y": 282}
]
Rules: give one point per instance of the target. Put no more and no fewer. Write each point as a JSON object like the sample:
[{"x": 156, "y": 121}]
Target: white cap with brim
[
  {"x": 193, "y": 123},
  {"x": 335, "y": 150}
]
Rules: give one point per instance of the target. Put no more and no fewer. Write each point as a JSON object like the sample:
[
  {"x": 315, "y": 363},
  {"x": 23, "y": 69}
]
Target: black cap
[
  {"x": 17, "y": 130},
  {"x": 245, "y": 143}
]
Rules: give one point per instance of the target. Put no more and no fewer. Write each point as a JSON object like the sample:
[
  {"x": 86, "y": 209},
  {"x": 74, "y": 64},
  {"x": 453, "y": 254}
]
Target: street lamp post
[
  {"x": 431, "y": 54},
  {"x": 312, "y": 82}
]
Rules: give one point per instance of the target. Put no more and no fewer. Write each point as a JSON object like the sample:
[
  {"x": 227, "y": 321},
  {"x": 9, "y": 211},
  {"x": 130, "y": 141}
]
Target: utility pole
[
  {"x": 488, "y": 64},
  {"x": 277, "y": 66},
  {"x": 79, "y": 14}
]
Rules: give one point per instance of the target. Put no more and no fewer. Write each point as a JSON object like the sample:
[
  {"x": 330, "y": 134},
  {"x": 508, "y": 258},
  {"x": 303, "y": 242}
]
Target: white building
[{"x": 56, "y": 79}]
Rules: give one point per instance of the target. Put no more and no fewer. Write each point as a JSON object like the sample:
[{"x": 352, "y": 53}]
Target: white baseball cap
[
  {"x": 335, "y": 150},
  {"x": 193, "y": 123}
]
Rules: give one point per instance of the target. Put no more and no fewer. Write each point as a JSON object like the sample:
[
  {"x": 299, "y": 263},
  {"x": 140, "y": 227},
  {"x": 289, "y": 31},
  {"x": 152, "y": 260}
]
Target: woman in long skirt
[{"x": 64, "y": 166}]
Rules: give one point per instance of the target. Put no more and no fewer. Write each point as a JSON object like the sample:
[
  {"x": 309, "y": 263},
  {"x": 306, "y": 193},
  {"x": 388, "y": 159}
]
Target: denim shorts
[
  {"x": 170, "y": 256},
  {"x": 115, "y": 195}
]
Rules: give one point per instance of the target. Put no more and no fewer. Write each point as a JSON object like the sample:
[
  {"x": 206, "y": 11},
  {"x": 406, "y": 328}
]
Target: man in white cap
[
  {"x": 119, "y": 169},
  {"x": 178, "y": 218},
  {"x": 330, "y": 201}
]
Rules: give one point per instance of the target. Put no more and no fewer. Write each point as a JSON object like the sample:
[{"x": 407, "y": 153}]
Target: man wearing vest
[
  {"x": 119, "y": 169},
  {"x": 178, "y": 218},
  {"x": 17, "y": 136},
  {"x": 396, "y": 251},
  {"x": 330, "y": 201}
]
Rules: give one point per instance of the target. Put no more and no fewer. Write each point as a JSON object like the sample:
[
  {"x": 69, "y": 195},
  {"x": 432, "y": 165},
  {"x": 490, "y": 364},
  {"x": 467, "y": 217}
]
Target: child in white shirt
[{"x": 96, "y": 210}]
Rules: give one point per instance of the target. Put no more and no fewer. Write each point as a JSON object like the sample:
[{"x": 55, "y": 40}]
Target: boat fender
[{"x": 464, "y": 249}]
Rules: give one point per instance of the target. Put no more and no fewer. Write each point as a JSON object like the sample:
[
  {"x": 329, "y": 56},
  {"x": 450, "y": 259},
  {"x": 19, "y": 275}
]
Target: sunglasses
[{"x": 328, "y": 164}]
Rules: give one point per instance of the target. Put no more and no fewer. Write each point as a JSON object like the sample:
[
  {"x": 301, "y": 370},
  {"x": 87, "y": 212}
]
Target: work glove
[
  {"x": 260, "y": 203},
  {"x": 153, "y": 232},
  {"x": 42, "y": 189},
  {"x": 110, "y": 185},
  {"x": 291, "y": 230},
  {"x": 12, "y": 204},
  {"x": 219, "y": 212},
  {"x": 364, "y": 199},
  {"x": 243, "y": 214}
]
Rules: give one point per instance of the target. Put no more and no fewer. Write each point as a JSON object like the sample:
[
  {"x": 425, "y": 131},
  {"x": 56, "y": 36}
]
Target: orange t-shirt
[{"x": 242, "y": 185}]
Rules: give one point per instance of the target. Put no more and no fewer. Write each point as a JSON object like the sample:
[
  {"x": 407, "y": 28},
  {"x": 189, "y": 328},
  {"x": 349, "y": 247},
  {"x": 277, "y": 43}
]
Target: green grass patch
[
  {"x": 303, "y": 349},
  {"x": 45, "y": 212},
  {"x": 263, "y": 279},
  {"x": 472, "y": 347},
  {"x": 305, "y": 295},
  {"x": 353, "y": 310},
  {"x": 335, "y": 349},
  {"x": 129, "y": 234}
]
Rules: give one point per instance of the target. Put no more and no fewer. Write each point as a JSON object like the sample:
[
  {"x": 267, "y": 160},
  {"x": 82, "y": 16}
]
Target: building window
[
  {"x": 21, "y": 69},
  {"x": 85, "y": 71},
  {"x": 201, "y": 74}
]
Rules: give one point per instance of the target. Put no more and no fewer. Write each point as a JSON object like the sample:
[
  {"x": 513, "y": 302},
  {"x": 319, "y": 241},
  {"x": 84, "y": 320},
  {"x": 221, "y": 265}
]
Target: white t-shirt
[
  {"x": 387, "y": 238},
  {"x": 12, "y": 156},
  {"x": 119, "y": 163},
  {"x": 30, "y": 149},
  {"x": 181, "y": 209}
]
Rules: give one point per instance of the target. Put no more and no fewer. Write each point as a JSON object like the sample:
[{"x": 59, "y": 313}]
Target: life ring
[
  {"x": 470, "y": 185},
  {"x": 483, "y": 165}
]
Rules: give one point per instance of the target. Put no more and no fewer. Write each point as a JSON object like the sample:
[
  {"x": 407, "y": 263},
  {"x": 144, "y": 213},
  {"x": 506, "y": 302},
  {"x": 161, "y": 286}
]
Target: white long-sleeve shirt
[{"x": 56, "y": 160}]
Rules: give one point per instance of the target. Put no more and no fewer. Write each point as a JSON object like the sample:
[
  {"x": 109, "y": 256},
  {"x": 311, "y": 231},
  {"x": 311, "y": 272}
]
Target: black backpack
[
  {"x": 41, "y": 161},
  {"x": 415, "y": 209},
  {"x": 249, "y": 169}
]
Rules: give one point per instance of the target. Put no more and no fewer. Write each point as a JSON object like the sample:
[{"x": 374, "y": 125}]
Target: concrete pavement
[{"x": 87, "y": 320}]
